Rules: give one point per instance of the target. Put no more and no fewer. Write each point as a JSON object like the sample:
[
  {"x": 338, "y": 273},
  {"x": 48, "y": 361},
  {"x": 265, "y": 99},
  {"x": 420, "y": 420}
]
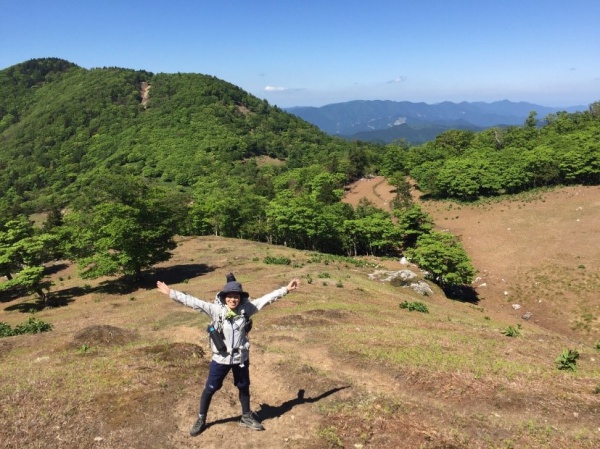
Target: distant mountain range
[{"x": 386, "y": 121}]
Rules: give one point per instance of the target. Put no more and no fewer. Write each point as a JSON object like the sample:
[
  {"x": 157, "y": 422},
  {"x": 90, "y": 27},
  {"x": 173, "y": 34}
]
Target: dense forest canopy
[
  {"x": 465, "y": 165},
  {"x": 111, "y": 154},
  {"x": 60, "y": 124}
]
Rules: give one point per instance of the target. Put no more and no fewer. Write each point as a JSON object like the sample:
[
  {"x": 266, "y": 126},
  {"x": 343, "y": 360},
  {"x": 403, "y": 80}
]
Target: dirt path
[{"x": 287, "y": 411}]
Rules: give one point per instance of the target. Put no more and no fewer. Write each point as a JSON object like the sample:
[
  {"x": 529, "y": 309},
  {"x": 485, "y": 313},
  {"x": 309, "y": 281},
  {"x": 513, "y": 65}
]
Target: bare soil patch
[
  {"x": 102, "y": 335},
  {"x": 539, "y": 251}
]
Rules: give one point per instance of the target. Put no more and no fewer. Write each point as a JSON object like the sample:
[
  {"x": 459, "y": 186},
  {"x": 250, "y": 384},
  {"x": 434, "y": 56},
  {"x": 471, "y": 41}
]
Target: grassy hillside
[{"x": 336, "y": 364}]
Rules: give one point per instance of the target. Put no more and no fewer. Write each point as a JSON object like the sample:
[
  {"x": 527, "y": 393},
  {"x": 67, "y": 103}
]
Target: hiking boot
[
  {"x": 249, "y": 421},
  {"x": 199, "y": 426}
]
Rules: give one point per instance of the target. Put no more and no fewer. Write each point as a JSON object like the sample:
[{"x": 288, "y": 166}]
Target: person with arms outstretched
[{"x": 228, "y": 330}]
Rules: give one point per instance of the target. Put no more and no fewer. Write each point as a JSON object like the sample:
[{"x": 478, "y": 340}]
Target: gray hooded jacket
[{"x": 234, "y": 329}]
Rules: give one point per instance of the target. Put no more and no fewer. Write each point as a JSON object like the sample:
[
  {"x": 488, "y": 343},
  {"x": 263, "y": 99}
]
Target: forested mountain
[
  {"x": 61, "y": 124},
  {"x": 122, "y": 160},
  {"x": 386, "y": 121}
]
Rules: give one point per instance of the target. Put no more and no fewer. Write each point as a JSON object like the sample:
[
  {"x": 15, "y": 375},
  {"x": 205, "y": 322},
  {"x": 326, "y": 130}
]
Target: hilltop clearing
[
  {"x": 536, "y": 250},
  {"x": 336, "y": 364}
]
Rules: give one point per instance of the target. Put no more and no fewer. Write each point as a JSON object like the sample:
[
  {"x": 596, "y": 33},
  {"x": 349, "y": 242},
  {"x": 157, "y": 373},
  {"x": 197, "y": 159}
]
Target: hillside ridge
[{"x": 328, "y": 368}]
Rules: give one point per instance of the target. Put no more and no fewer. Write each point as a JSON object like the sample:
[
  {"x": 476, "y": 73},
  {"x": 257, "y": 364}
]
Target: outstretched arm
[
  {"x": 275, "y": 295},
  {"x": 186, "y": 300}
]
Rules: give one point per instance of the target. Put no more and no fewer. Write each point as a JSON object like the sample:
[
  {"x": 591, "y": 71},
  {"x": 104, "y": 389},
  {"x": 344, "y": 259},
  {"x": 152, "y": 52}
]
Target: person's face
[{"x": 232, "y": 300}]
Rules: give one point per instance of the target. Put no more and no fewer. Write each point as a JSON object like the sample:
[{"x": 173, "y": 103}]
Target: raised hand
[
  {"x": 163, "y": 288},
  {"x": 293, "y": 285}
]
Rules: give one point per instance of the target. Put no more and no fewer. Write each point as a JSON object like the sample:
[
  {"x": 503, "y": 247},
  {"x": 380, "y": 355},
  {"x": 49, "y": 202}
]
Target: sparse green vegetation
[
  {"x": 271, "y": 260},
  {"x": 31, "y": 326},
  {"x": 415, "y": 306},
  {"x": 512, "y": 331},
  {"x": 567, "y": 360},
  {"x": 329, "y": 435}
]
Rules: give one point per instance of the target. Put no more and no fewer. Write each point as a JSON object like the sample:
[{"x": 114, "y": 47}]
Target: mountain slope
[{"x": 61, "y": 124}]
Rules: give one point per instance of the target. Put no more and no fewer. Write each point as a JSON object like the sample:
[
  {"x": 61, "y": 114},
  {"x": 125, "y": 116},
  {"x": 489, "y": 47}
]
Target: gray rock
[{"x": 422, "y": 288}]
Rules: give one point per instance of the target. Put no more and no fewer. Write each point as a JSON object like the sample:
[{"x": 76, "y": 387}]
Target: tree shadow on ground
[
  {"x": 147, "y": 280},
  {"x": 12, "y": 293},
  {"x": 174, "y": 275},
  {"x": 66, "y": 296},
  {"x": 49, "y": 270},
  {"x": 56, "y": 299},
  {"x": 462, "y": 293},
  {"x": 269, "y": 411},
  {"x": 120, "y": 286}
]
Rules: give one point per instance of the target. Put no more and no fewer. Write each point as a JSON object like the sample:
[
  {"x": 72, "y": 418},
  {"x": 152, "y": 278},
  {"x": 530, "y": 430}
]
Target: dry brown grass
[{"x": 331, "y": 366}]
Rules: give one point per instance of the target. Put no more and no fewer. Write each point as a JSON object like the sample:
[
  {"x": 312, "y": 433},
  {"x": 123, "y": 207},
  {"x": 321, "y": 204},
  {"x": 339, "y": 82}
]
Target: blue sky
[{"x": 311, "y": 53}]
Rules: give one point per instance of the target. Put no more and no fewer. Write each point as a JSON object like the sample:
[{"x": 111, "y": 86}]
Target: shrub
[
  {"x": 511, "y": 331},
  {"x": 277, "y": 260},
  {"x": 31, "y": 326},
  {"x": 5, "y": 330},
  {"x": 414, "y": 306},
  {"x": 567, "y": 360},
  {"x": 443, "y": 256}
]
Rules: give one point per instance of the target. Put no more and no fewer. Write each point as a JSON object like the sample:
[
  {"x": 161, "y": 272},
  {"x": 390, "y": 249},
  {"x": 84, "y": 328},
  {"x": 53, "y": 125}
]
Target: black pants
[{"x": 216, "y": 375}]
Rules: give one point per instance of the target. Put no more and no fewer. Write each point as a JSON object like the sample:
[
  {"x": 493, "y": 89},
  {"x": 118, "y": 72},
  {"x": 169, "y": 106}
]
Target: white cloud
[
  {"x": 275, "y": 89},
  {"x": 399, "y": 79}
]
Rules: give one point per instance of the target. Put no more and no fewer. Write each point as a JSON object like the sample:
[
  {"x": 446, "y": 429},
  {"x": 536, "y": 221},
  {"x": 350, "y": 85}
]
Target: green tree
[
  {"x": 542, "y": 166},
  {"x": 299, "y": 222},
  {"x": 358, "y": 158},
  {"x": 23, "y": 253},
  {"x": 403, "y": 197},
  {"x": 443, "y": 256},
  {"x": 594, "y": 109},
  {"x": 124, "y": 235},
  {"x": 413, "y": 222},
  {"x": 12, "y": 232},
  {"x": 459, "y": 178},
  {"x": 394, "y": 158},
  {"x": 373, "y": 234},
  {"x": 327, "y": 188},
  {"x": 531, "y": 121}
]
